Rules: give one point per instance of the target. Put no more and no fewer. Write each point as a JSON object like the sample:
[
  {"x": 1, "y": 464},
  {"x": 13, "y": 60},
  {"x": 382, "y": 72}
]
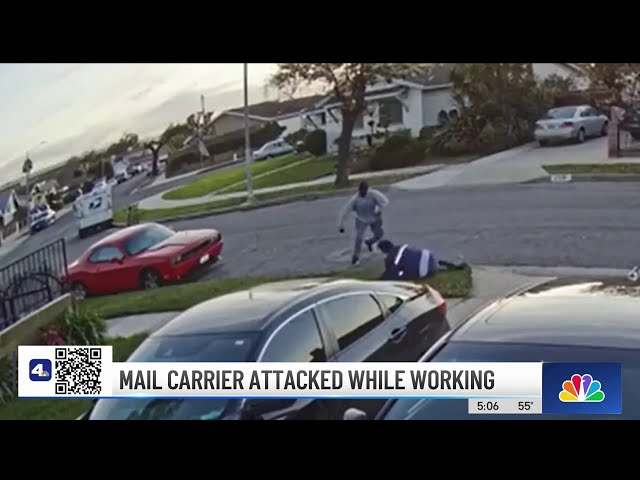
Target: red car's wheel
[
  {"x": 149, "y": 279},
  {"x": 79, "y": 290}
]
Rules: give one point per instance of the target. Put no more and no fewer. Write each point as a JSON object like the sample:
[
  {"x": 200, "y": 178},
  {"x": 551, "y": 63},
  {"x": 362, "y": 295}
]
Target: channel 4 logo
[
  {"x": 40, "y": 370},
  {"x": 582, "y": 388}
]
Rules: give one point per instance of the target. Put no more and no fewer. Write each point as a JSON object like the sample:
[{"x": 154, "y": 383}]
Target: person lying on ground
[{"x": 403, "y": 262}]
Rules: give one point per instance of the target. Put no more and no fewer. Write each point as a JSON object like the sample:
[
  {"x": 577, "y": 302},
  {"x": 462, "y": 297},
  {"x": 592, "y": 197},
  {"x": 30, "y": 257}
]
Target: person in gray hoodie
[{"x": 367, "y": 205}]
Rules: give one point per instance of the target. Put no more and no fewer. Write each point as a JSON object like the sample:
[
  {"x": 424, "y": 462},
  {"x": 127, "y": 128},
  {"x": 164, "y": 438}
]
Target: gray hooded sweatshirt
[{"x": 366, "y": 209}]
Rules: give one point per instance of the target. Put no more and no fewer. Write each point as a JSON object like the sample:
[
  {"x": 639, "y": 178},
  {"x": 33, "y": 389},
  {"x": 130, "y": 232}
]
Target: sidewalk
[
  {"x": 156, "y": 201},
  {"x": 10, "y": 244}
]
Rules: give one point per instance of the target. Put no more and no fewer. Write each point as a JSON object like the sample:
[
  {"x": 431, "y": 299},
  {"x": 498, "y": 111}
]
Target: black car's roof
[
  {"x": 573, "y": 312},
  {"x": 255, "y": 308}
]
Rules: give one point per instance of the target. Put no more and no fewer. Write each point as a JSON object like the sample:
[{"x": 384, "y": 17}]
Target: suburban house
[
  {"x": 288, "y": 114},
  {"x": 9, "y": 206},
  {"x": 409, "y": 104}
]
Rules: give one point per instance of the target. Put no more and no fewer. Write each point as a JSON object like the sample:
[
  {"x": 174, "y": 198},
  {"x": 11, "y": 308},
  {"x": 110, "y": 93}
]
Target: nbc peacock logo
[{"x": 581, "y": 388}]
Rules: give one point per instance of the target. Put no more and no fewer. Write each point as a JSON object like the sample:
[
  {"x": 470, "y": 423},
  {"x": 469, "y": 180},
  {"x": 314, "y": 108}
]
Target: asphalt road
[
  {"x": 124, "y": 194},
  {"x": 66, "y": 227},
  {"x": 578, "y": 225}
]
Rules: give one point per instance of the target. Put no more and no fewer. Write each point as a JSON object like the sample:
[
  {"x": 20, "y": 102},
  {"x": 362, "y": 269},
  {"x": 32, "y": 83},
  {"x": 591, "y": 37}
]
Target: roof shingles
[{"x": 273, "y": 109}]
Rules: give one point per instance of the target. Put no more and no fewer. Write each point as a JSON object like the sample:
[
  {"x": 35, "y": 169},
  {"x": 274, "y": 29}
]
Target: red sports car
[{"x": 143, "y": 256}]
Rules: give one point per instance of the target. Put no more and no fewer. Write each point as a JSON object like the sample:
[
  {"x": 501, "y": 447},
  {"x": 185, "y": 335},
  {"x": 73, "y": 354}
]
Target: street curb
[
  {"x": 559, "y": 271},
  {"x": 306, "y": 197},
  {"x": 590, "y": 178}
]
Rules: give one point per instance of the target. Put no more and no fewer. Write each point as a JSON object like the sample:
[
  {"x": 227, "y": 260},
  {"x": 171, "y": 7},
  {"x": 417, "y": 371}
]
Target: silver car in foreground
[{"x": 570, "y": 123}]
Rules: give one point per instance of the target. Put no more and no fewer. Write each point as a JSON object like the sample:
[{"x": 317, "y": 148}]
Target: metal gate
[{"x": 32, "y": 281}]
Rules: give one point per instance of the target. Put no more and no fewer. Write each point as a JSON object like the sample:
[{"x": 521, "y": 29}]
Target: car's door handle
[{"x": 398, "y": 334}]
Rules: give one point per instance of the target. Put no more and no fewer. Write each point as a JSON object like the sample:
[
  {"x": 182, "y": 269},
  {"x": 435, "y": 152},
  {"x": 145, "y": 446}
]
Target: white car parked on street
[{"x": 273, "y": 149}]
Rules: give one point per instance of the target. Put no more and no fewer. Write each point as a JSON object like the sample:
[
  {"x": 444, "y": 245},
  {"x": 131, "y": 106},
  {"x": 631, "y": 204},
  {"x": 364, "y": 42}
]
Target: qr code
[{"x": 78, "y": 371}]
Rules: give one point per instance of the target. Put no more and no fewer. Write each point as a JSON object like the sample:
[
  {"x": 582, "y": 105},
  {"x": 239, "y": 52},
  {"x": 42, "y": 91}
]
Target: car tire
[
  {"x": 543, "y": 143},
  {"x": 605, "y": 129},
  {"x": 149, "y": 279},
  {"x": 82, "y": 233},
  {"x": 79, "y": 290},
  {"x": 580, "y": 136}
]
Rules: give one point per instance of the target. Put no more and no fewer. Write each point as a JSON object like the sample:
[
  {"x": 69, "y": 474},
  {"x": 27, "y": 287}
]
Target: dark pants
[{"x": 361, "y": 229}]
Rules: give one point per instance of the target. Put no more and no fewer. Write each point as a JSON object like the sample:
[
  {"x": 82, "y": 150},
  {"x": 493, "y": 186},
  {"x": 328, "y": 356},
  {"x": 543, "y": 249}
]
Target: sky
[{"x": 55, "y": 111}]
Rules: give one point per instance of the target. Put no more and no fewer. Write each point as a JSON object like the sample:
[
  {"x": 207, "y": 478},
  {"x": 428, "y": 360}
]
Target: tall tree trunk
[
  {"x": 154, "y": 169},
  {"x": 344, "y": 149}
]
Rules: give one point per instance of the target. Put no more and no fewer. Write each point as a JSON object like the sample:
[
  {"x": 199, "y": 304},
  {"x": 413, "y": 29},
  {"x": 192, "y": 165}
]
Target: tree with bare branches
[
  {"x": 347, "y": 82},
  {"x": 154, "y": 146}
]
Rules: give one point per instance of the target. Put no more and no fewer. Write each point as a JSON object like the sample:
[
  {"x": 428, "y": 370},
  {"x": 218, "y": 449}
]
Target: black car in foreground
[
  {"x": 294, "y": 321},
  {"x": 571, "y": 321}
]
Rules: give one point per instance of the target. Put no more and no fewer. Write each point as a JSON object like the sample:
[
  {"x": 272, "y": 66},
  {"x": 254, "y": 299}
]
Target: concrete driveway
[{"x": 517, "y": 165}]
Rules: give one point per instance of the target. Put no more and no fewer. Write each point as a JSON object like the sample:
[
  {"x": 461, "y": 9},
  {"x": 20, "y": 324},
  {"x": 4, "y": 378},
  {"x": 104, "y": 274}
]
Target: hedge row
[{"x": 398, "y": 151}]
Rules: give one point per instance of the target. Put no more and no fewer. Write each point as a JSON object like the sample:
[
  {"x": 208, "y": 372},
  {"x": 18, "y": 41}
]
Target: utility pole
[
  {"x": 247, "y": 138},
  {"x": 201, "y": 125}
]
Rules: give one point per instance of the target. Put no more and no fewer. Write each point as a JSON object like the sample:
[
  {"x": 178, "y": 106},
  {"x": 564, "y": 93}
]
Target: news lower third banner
[{"x": 89, "y": 372}]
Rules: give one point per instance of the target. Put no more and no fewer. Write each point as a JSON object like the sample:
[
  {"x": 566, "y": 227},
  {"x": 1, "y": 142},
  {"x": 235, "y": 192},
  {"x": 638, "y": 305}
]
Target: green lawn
[
  {"x": 47, "y": 409},
  {"x": 453, "y": 284},
  {"x": 305, "y": 172},
  {"x": 293, "y": 194},
  {"x": 221, "y": 180},
  {"x": 594, "y": 169}
]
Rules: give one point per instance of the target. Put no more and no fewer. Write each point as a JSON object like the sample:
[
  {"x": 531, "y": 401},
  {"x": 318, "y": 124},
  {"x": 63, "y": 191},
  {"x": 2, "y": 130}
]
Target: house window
[
  {"x": 391, "y": 110},
  {"x": 323, "y": 118},
  {"x": 443, "y": 118}
]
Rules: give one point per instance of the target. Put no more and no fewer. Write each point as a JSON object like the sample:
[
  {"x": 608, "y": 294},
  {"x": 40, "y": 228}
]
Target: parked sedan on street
[
  {"x": 564, "y": 321},
  {"x": 142, "y": 256},
  {"x": 570, "y": 123},
  {"x": 272, "y": 149},
  {"x": 293, "y": 321}
]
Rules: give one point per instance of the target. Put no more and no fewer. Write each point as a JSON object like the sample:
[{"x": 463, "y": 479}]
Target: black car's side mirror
[
  {"x": 354, "y": 414},
  {"x": 258, "y": 407}
]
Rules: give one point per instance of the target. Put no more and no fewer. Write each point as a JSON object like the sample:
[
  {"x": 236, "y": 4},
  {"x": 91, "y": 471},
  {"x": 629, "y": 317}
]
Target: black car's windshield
[
  {"x": 560, "y": 113},
  {"x": 440, "y": 409},
  {"x": 147, "y": 238},
  {"x": 192, "y": 348}
]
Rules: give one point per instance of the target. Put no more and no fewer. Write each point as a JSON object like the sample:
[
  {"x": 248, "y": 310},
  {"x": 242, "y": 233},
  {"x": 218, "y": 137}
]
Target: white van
[{"x": 94, "y": 210}]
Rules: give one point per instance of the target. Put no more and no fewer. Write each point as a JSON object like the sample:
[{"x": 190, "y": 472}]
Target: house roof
[
  {"x": 273, "y": 110},
  {"x": 391, "y": 89},
  {"x": 438, "y": 75},
  {"x": 4, "y": 198},
  {"x": 576, "y": 67}
]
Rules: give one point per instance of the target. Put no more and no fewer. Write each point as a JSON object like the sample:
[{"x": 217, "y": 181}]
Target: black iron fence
[
  {"x": 628, "y": 141},
  {"x": 31, "y": 282}
]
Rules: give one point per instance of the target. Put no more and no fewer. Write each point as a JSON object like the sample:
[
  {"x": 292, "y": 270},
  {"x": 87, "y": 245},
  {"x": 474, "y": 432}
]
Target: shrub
[
  {"x": 427, "y": 133},
  {"x": 82, "y": 327},
  {"x": 52, "y": 336},
  {"x": 298, "y": 136},
  {"x": 7, "y": 380},
  {"x": 316, "y": 142},
  {"x": 398, "y": 151}
]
